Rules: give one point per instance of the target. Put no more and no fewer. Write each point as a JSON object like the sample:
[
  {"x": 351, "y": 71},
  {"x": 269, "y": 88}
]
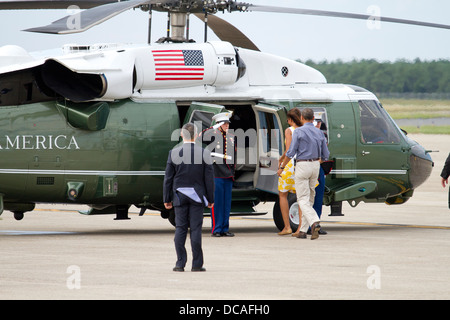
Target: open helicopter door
[
  {"x": 201, "y": 114},
  {"x": 270, "y": 136}
]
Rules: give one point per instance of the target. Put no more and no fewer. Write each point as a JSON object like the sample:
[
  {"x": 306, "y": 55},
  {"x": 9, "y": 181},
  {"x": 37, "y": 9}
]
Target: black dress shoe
[
  {"x": 216, "y": 234},
  {"x": 198, "y": 269},
  {"x": 227, "y": 234},
  {"x": 301, "y": 235},
  {"x": 178, "y": 269}
]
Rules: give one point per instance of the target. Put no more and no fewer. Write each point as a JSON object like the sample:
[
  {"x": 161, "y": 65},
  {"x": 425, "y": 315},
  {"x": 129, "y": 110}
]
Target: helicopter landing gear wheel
[
  {"x": 293, "y": 213},
  {"x": 277, "y": 216},
  {"x": 18, "y": 215},
  {"x": 294, "y": 218}
]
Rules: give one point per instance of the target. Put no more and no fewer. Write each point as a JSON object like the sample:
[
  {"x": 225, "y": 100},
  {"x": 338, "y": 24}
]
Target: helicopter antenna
[
  {"x": 187, "y": 25},
  {"x": 149, "y": 39},
  {"x": 206, "y": 26},
  {"x": 168, "y": 25}
]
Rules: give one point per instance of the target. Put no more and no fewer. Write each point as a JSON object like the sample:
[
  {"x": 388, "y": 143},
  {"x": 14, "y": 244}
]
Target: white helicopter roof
[{"x": 134, "y": 71}]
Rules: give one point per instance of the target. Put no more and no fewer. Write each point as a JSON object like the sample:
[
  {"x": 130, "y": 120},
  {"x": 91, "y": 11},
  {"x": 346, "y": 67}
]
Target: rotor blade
[
  {"x": 225, "y": 31},
  {"x": 51, "y": 4},
  {"x": 343, "y": 15},
  {"x": 86, "y": 19}
]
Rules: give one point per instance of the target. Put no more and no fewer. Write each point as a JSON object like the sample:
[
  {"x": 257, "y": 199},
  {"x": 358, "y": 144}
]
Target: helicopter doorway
[
  {"x": 259, "y": 141},
  {"x": 270, "y": 145},
  {"x": 258, "y": 136}
]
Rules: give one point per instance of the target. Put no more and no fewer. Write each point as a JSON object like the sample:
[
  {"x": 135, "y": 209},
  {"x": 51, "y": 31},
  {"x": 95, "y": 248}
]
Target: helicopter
[{"x": 94, "y": 125}]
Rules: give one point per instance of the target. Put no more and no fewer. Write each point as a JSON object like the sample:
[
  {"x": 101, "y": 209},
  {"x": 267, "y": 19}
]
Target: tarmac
[{"x": 373, "y": 252}]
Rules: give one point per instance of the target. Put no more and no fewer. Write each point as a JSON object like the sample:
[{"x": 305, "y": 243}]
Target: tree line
[{"x": 400, "y": 76}]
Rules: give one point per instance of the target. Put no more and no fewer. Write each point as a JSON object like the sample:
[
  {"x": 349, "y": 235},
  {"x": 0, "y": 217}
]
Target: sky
[{"x": 288, "y": 35}]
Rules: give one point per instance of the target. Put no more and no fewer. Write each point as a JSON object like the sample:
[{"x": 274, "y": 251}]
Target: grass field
[
  {"x": 419, "y": 109},
  {"x": 427, "y": 129}
]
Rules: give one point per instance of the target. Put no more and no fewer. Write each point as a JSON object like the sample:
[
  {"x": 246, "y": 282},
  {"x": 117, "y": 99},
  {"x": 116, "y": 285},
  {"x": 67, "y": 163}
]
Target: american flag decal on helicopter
[{"x": 178, "y": 65}]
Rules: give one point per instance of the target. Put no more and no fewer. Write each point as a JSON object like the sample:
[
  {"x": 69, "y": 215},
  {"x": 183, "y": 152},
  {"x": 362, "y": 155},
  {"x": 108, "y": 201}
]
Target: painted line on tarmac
[
  {"x": 388, "y": 225},
  {"x": 21, "y": 232},
  {"x": 77, "y": 211},
  {"x": 375, "y": 224}
]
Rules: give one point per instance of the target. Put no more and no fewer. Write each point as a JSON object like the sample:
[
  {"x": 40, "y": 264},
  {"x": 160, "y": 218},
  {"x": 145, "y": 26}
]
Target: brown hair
[
  {"x": 189, "y": 131},
  {"x": 295, "y": 115}
]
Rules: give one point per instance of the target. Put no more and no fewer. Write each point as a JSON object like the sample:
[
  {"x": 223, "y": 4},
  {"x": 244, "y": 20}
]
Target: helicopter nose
[{"x": 421, "y": 165}]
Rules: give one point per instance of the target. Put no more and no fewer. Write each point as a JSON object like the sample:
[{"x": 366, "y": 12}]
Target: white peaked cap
[{"x": 223, "y": 117}]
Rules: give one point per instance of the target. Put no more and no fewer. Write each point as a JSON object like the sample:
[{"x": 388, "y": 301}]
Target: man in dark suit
[
  {"x": 445, "y": 174},
  {"x": 188, "y": 188}
]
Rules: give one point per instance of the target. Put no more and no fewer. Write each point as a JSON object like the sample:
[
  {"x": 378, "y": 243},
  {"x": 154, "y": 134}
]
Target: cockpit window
[{"x": 376, "y": 125}]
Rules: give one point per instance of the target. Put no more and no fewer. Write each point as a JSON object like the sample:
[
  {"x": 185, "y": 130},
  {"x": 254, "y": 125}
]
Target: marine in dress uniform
[{"x": 223, "y": 151}]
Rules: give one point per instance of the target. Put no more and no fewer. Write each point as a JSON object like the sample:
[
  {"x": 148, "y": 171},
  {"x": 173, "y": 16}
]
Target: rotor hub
[{"x": 198, "y": 6}]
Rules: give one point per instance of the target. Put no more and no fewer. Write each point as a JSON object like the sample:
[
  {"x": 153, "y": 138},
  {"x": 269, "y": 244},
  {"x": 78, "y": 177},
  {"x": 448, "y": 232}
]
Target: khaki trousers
[{"x": 306, "y": 175}]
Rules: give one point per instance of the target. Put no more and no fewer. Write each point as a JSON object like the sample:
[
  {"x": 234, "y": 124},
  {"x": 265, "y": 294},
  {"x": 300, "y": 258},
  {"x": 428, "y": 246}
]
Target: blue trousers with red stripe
[{"x": 220, "y": 213}]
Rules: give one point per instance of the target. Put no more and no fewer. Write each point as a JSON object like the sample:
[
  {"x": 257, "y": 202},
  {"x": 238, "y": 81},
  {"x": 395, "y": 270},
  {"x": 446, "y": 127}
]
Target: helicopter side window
[
  {"x": 269, "y": 127},
  {"x": 320, "y": 119},
  {"x": 203, "y": 117},
  {"x": 376, "y": 126}
]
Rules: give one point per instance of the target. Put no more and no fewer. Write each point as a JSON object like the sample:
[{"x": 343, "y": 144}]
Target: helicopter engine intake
[
  {"x": 101, "y": 74},
  {"x": 105, "y": 74},
  {"x": 74, "y": 86}
]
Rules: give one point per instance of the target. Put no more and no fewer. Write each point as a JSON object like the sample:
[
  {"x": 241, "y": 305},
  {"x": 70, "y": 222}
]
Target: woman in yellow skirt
[{"x": 286, "y": 181}]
